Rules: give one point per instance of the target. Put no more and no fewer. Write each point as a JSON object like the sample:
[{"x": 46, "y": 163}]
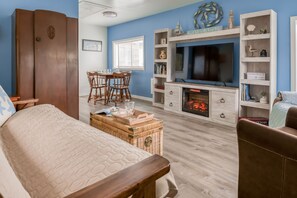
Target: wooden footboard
[{"x": 138, "y": 180}]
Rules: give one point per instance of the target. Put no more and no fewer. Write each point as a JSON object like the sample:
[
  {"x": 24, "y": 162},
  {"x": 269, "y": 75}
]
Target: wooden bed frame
[
  {"x": 138, "y": 180},
  {"x": 22, "y": 104}
]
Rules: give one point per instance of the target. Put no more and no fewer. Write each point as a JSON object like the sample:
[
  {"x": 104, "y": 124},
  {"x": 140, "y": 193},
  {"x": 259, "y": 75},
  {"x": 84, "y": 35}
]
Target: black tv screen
[{"x": 212, "y": 63}]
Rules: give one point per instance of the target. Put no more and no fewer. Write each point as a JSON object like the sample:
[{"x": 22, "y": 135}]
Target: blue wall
[
  {"x": 68, "y": 7},
  {"x": 146, "y": 26}
]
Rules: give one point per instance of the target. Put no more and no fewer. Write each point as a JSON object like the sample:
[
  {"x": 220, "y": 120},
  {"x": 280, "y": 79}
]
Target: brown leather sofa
[{"x": 268, "y": 159}]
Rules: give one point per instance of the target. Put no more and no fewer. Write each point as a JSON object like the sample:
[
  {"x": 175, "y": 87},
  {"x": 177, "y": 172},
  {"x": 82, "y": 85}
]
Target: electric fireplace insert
[{"x": 196, "y": 101}]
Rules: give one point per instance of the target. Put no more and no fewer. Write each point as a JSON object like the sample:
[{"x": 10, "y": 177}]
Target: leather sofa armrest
[
  {"x": 291, "y": 120},
  {"x": 268, "y": 138}
]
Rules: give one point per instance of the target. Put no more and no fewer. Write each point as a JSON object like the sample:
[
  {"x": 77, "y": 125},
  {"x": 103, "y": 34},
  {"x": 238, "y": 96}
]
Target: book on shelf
[
  {"x": 255, "y": 76},
  {"x": 245, "y": 93},
  {"x": 160, "y": 68}
]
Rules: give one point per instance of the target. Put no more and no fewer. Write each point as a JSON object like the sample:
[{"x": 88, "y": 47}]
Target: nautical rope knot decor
[
  {"x": 51, "y": 32},
  {"x": 208, "y": 15}
]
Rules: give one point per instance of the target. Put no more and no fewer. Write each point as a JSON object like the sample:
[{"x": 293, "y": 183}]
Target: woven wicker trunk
[{"x": 147, "y": 136}]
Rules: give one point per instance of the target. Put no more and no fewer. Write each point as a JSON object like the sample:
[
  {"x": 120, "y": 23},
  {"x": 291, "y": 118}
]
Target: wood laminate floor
[{"x": 203, "y": 155}]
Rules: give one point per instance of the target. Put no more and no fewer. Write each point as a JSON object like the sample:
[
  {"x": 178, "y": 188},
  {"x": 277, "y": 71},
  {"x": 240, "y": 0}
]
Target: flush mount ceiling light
[
  {"x": 87, "y": 8},
  {"x": 110, "y": 14}
]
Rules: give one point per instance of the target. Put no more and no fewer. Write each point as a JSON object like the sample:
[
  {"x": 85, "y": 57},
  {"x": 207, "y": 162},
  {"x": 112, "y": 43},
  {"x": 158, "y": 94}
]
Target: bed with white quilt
[{"x": 45, "y": 153}]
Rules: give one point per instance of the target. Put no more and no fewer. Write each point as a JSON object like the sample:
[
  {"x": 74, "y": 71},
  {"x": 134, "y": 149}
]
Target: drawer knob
[
  {"x": 170, "y": 104},
  {"x": 171, "y": 92},
  {"x": 222, "y": 100},
  {"x": 222, "y": 115},
  {"x": 148, "y": 141}
]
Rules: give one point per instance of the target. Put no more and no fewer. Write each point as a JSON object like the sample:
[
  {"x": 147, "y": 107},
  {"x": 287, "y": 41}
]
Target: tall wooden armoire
[{"x": 45, "y": 55}]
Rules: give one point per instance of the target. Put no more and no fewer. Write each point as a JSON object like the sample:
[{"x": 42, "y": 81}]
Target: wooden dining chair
[
  {"x": 97, "y": 83},
  {"x": 120, "y": 87}
]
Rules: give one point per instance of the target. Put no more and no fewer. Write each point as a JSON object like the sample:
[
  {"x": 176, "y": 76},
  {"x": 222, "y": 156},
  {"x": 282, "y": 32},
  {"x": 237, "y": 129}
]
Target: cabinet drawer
[
  {"x": 173, "y": 105},
  {"x": 225, "y": 101},
  {"x": 172, "y": 91},
  {"x": 175, "y": 99},
  {"x": 224, "y": 116}
]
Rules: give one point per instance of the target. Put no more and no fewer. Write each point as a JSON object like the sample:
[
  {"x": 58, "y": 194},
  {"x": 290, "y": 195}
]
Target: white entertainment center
[
  {"x": 222, "y": 101},
  {"x": 225, "y": 104}
]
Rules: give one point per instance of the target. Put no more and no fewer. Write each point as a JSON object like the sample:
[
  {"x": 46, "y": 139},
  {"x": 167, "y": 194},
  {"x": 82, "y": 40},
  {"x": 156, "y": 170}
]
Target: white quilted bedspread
[{"x": 54, "y": 155}]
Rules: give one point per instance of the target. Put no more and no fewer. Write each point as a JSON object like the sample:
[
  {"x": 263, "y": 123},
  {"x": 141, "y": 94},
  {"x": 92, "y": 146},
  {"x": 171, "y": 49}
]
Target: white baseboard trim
[{"x": 142, "y": 98}]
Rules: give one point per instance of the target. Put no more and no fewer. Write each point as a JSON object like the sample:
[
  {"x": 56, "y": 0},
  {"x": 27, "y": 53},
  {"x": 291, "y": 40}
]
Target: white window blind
[{"x": 129, "y": 53}]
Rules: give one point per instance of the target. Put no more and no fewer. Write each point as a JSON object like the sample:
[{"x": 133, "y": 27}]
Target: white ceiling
[{"x": 90, "y": 11}]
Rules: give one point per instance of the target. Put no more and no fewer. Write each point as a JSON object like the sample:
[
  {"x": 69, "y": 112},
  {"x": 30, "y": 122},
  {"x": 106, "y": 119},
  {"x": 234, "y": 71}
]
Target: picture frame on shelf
[
  {"x": 91, "y": 45},
  {"x": 163, "y": 41}
]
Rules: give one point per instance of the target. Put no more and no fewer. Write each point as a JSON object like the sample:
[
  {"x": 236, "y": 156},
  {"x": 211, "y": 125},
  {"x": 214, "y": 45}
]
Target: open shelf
[
  {"x": 160, "y": 75},
  {"x": 220, "y": 34},
  {"x": 162, "y": 67},
  {"x": 255, "y": 82},
  {"x": 255, "y": 59},
  {"x": 156, "y": 104},
  {"x": 161, "y": 45},
  {"x": 256, "y": 37},
  {"x": 159, "y": 90},
  {"x": 160, "y": 60},
  {"x": 255, "y": 105}
]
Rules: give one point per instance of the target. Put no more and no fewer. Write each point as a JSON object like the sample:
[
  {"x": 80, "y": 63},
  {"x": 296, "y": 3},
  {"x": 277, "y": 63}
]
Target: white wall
[{"x": 88, "y": 60}]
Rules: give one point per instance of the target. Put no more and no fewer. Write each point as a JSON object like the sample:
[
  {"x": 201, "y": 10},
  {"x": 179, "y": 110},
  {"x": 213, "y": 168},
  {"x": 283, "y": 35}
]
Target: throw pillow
[
  {"x": 289, "y": 97},
  {"x": 6, "y": 107}
]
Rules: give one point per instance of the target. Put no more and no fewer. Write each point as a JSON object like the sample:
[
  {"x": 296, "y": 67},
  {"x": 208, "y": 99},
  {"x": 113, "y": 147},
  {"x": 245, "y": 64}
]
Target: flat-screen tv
[{"x": 212, "y": 63}]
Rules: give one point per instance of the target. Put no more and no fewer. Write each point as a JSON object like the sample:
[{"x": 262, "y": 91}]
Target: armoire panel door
[
  {"x": 23, "y": 53},
  {"x": 72, "y": 67},
  {"x": 50, "y": 32}
]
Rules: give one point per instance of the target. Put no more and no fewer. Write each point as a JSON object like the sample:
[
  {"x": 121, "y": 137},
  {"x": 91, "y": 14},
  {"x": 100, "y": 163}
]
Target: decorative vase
[
  {"x": 163, "y": 54},
  {"x": 263, "y": 53},
  {"x": 163, "y": 41}
]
